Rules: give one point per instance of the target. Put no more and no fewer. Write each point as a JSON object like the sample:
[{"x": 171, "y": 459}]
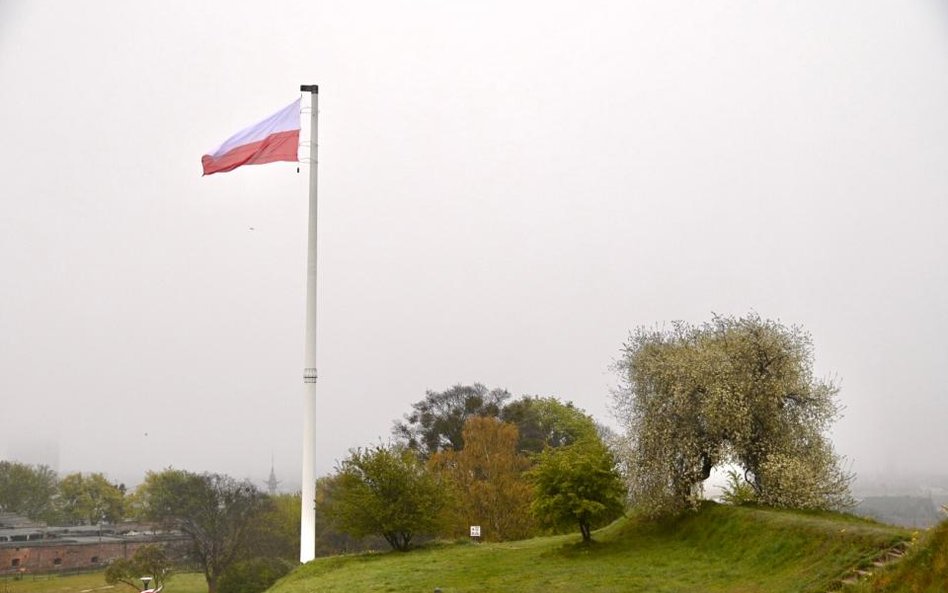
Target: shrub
[
  {"x": 738, "y": 491},
  {"x": 253, "y": 576}
]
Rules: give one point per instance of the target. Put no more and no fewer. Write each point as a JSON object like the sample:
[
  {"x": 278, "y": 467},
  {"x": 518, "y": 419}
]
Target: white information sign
[{"x": 475, "y": 530}]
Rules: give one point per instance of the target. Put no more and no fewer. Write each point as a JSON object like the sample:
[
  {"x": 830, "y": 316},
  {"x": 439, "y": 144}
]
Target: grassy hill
[
  {"x": 717, "y": 549},
  {"x": 924, "y": 570}
]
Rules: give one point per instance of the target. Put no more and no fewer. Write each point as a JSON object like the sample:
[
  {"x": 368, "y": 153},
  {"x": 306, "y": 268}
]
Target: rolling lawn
[{"x": 717, "y": 549}]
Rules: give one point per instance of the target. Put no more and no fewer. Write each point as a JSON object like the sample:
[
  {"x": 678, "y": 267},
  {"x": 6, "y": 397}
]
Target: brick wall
[{"x": 47, "y": 556}]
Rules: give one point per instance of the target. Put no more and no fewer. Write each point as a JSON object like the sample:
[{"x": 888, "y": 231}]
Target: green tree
[
  {"x": 547, "y": 422},
  {"x": 330, "y": 539},
  {"x": 150, "y": 560},
  {"x": 273, "y": 546},
  {"x": 27, "y": 489},
  {"x": 487, "y": 480},
  {"x": 214, "y": 511},
  {"x": 385, "y": 491},
  {"x": 734, "y": 390},
  {"x": 578, "y": 485},
  {"x": 89, "y": 500},
  {"x": 436, "y": 423},
  {"x": 276, "y": 531}
]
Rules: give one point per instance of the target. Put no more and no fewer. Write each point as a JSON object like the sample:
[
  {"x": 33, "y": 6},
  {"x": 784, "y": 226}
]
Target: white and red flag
[{"x": 274, "y": 139}]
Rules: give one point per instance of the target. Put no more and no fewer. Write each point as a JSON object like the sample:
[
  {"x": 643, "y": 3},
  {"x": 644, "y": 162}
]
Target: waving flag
[{"x": 274, "y": 139}]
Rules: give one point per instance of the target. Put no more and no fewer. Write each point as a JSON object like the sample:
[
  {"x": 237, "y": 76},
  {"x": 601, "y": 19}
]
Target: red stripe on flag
[{"x": 281, "y": 146}]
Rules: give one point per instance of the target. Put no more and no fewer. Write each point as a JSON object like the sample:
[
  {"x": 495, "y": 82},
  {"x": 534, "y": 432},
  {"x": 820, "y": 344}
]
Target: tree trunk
[
  {"x": 584, "y": 529},
  {"x": 707, "y": 464}
]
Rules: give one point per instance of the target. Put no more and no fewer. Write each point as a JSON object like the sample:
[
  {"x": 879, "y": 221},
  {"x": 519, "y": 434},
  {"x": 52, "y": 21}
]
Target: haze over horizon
[{"x": 507, "y": 189}]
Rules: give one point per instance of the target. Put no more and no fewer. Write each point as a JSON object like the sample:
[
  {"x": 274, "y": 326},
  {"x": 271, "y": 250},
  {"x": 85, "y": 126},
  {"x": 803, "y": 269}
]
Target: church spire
[{"x": 272, "y": 482}]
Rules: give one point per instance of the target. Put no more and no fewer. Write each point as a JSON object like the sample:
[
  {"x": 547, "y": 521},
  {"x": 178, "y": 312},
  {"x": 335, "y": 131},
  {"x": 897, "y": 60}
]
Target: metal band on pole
[{"x": 308, "y": 516}]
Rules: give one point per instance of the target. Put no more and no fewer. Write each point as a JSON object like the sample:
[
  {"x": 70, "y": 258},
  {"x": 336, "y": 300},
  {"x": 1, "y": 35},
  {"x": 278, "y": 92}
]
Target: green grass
[
  {"x": 718, "y": 549},
  {"x": 923, "y": 570},
  {"x": 94, "y": 582}
]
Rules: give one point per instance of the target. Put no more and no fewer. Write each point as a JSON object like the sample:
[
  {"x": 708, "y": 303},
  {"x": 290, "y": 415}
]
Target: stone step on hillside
[{"x": 893, "y": 554}]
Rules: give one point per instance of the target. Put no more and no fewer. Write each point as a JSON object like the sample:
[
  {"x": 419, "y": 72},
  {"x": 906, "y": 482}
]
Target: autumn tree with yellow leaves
[{"x": 487, "y": 482}]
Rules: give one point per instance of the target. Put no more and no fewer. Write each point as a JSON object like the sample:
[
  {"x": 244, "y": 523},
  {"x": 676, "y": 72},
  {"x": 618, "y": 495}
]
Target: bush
[
  {"x": 253, "y": 576},
  {"x": 738, "y": 491}
]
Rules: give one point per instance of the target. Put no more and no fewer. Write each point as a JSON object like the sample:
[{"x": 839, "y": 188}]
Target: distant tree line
[
  {"x": 233, "y": 529},
  {"x": 37, "y": 492}
]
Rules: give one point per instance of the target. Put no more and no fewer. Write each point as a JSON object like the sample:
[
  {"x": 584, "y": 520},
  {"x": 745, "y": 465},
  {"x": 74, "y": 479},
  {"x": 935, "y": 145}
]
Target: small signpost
[{"x": 475, "y": 533}]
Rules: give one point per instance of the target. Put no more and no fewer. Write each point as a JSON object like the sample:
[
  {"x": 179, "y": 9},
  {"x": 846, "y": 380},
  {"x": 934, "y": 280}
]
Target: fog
[{"x": 507, "y": 189}]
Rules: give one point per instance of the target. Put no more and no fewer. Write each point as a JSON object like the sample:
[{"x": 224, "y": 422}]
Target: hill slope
[
  {"x": 717, "y": 549},
  {"x": 924, "y": 569}
]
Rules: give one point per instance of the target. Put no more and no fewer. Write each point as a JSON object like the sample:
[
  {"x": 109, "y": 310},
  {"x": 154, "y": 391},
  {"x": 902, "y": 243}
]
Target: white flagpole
[{"x": 308, "y": 517}]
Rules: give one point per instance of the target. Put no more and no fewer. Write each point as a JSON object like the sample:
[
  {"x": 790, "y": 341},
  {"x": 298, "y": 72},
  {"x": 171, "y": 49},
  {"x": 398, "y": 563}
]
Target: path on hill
[{"x": 886, "y": 558}]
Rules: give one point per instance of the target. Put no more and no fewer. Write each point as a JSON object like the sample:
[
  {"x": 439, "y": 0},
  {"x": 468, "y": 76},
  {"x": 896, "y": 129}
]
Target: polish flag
[{"x": 274, "y": 139}]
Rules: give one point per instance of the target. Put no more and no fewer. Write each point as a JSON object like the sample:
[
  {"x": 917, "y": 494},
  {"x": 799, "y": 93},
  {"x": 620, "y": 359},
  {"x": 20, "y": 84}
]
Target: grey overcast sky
[{"x": 506, "y": 190}]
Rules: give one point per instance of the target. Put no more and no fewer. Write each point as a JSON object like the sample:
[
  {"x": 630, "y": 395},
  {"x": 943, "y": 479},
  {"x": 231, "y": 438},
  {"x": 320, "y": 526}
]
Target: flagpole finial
[{"x": 310, "y": 88}]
